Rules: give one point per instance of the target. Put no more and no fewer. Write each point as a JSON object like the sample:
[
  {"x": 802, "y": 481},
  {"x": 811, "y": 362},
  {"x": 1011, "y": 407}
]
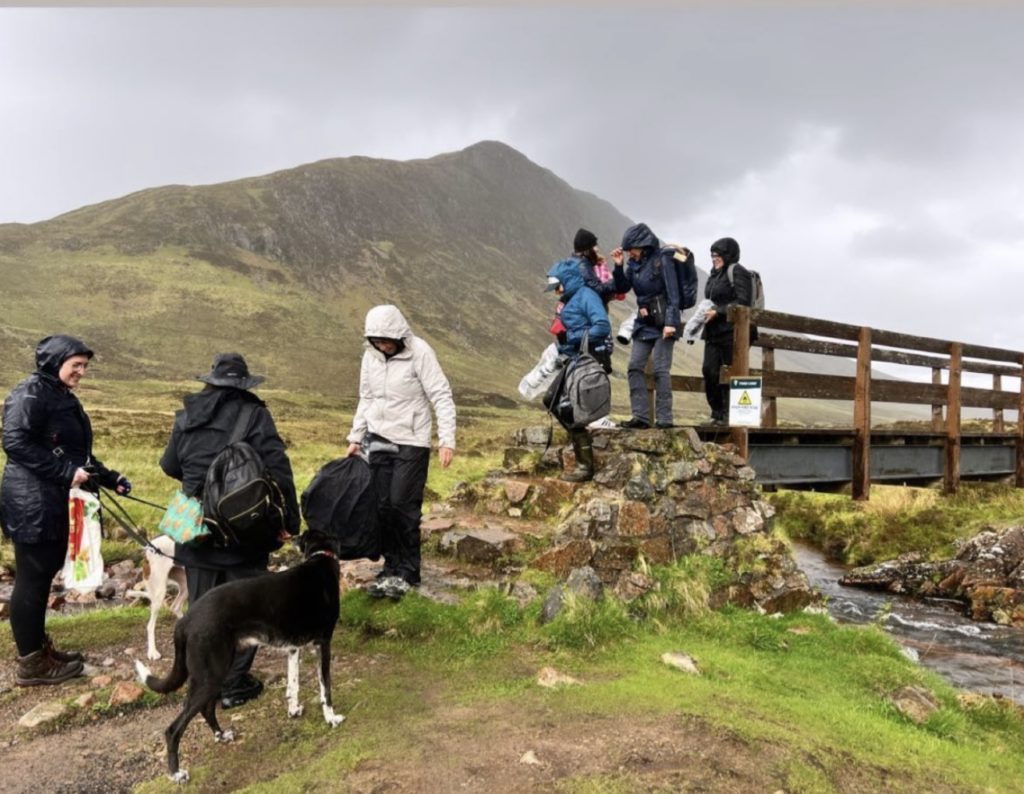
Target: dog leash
[{"x": 121, "y": 517}]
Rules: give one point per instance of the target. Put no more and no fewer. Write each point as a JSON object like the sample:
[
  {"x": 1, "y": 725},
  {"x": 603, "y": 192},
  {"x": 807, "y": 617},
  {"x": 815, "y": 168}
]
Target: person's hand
[
  {"x": 445, "y": 454},
  {"x": 616, "y": 255},
  {"x": 710, "y": 315},
  {"x": 353, "y": 449},
  {"x": 80, "y": 478},
  {"x": 668, "y": 332},
  {"x": 643, "y": 311},
  {"x": 124, "y": 486}
]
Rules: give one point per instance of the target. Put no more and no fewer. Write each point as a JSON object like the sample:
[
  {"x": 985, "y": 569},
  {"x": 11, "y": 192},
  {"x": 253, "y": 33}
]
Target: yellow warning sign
[{"x": 745, "y": 399}]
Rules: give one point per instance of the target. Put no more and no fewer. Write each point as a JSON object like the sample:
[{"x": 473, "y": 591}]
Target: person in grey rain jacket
[
  {"x": 400, "y": 384},
  {"x": 48, "y": 440}
]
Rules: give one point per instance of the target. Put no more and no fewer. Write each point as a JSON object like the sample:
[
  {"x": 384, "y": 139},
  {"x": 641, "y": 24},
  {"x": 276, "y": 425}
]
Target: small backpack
[
  {"x": 342, "y": 502},
  {"x": 756, "y": 286},
  {"x": 686, "y": 273},
  {"x": 580, "y": 393},
  {"x": 242, "y": 505}
]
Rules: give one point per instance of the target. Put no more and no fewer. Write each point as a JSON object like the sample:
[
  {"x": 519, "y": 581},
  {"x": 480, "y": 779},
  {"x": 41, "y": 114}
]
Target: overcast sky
[{"x": 869, "y": 160}]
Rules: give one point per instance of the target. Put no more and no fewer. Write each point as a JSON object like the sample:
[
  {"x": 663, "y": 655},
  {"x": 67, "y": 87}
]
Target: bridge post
[
  {"x": 771, "y": 412},
  {"x": 1020, "y": 430},
  {"x": 861, "y": 453},
  {"x": 740, "y": 366},
  {"x": 998, "y": 425},
  {"x": 937, "y": 409},
  {"x": 951, "y": 479}
]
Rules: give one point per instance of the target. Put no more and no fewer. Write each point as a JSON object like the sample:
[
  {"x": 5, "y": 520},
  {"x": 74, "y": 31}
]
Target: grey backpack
[
  {"x": 581, "y": 392},
  {"x": 756, "y": 286}
]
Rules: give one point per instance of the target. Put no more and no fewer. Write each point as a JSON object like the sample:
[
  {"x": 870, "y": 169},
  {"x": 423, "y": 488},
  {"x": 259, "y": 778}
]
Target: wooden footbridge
[{"x": 858, "y": 454}]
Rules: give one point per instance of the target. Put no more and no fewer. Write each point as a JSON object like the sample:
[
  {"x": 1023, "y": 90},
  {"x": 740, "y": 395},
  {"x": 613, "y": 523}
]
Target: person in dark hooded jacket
[
  {"x": 654, "y": 282},
  {"x": 48, "y": 440},
  {"x": 202, "y": 429},
  {"x": 723, "y": 289}
]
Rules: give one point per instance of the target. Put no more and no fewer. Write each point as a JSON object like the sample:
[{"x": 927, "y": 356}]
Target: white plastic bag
[
  {"x": 537, "y": 380},
  {"x": 83, "y": 566}
]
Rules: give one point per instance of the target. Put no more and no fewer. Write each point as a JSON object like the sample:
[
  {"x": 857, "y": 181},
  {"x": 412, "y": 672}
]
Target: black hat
[
  {"x": 583, "y": 241},
  {"x": 230, "y": 369}
]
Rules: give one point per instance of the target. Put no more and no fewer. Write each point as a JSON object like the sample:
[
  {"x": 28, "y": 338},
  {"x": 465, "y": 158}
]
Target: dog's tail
[{"x": 179, "y": 670}]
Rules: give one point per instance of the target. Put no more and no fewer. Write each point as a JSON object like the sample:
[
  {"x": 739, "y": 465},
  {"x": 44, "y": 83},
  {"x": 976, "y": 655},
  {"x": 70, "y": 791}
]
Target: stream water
[{"x": 976, "y": 656}]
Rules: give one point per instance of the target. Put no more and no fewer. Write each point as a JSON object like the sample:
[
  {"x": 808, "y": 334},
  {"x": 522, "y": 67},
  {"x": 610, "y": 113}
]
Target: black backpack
[
  {"x": 342, "y": 502},
  {"x": 242, "y": 505},
  {"x": 686, "y": 273},
  {"x": 580, "y": 393}
]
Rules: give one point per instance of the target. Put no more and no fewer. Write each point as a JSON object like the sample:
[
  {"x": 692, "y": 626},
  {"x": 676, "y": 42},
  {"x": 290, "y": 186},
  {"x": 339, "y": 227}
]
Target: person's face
[
  {"x": 717, "y": 261},
  {"x": 386, "y": 346},
  {"x": 73, "y": 370},
  {"x": 636, "y": 253}
]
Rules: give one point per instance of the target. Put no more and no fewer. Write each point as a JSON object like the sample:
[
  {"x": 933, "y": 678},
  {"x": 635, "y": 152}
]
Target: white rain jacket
[{"x": 396, "y": 394}]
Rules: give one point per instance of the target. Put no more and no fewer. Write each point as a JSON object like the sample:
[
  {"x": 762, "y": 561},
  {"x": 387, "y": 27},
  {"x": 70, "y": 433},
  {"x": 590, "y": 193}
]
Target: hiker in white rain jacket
[{"x": 400, "y": 384}]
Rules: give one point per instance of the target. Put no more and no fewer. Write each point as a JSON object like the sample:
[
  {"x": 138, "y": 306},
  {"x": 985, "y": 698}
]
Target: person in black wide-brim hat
[{"x": 201, "y": 430}]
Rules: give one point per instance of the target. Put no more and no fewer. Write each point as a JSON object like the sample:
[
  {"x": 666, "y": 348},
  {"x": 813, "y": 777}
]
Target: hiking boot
[
  {"x": 664, "y": 425},
  {"x": 395, "y": 587},
  {"x": 247, "y": 688},
  {"x": 61, "y": 656},
  {"x": 635, "y": 424},
  {"x": 39, "y": 667},
  {"x": 375, "y": 589}
]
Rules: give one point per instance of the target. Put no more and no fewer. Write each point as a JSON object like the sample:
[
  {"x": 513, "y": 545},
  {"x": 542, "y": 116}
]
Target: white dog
[{"x": 161, "y": 570}]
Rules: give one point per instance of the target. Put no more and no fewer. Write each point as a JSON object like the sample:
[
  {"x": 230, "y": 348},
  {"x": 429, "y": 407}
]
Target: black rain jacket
[
  {"x": 201, "y": 430},
  {"x": 47, "y": 436}
]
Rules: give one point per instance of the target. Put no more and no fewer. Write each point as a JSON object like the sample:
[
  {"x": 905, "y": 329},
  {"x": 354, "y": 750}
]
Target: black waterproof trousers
[
  {"x": 37, "y": 564},
  {"x": 399, "y": 479},
  {"x": 717, "y": 354}
]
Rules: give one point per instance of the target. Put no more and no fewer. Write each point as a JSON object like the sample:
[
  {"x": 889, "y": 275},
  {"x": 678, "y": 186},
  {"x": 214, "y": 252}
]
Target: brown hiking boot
[
  {"x": 39, "y": 667},
  {"x": 61, "y": 656}
]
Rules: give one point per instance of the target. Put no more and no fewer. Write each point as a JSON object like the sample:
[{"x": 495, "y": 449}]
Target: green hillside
[{"x": 283, "y": 268}]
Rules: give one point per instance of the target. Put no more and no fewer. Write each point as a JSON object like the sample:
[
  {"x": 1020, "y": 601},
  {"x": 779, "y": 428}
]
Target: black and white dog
[{"x": 284, "y": 610}]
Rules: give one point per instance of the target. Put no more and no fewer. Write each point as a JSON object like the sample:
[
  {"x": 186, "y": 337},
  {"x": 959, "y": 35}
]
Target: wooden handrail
[{"x": 869, "y": 346}]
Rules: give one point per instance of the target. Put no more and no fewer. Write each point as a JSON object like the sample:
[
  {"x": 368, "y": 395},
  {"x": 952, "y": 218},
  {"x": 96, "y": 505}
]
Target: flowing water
[{"x": 977, "y": 656}]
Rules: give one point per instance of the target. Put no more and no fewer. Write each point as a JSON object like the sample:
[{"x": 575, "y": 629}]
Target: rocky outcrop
[
  {"x": 657, "y": 495},
  {"x": 987, "y": 575}
]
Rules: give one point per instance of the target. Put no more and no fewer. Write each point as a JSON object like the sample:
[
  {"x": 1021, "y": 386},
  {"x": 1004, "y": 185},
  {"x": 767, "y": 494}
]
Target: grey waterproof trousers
[{"x": 662, "y": 365}]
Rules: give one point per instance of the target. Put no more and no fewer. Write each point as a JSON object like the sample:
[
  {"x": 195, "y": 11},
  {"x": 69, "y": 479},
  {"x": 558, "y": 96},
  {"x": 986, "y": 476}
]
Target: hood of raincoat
[
  {"x": 53, "y": 351},
  {"x": 728, "y": 249},
  {"x": 567, "y": 271},
  {"x": 639, "y": 236},
  {"x": 386, "y": 322}
]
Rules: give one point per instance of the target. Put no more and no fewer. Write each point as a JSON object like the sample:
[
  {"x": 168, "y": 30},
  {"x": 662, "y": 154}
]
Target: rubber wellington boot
[
  {"x": 39, "y": 667},
  {"x": 584, "y": 451},
  {"x": 61, "y": 656}
]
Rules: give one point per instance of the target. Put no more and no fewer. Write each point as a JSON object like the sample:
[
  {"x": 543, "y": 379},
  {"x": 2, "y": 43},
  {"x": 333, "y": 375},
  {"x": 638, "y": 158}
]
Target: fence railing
[{"x": 869, "y": 346}]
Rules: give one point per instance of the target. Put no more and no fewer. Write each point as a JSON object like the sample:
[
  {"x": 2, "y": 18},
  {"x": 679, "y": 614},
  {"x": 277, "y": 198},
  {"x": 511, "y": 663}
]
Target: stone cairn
[{"x": 656, "y": 494}]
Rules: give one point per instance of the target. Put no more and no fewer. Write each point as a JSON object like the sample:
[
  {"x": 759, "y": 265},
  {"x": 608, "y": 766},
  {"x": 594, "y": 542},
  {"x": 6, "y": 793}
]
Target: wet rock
[
  {"x": 125, "y": 692},
  {"x": 633, "y": 585},
  {"x": 584, "y": 583},
  {"x": 563, "y": 558},
  {"x": 985, "y": 575},
  {"x": 915, "y": 703},
  {"x": 535, "y": 435},
  {"x": 680, "y": 661},
  {"x": 516, "y": 491},
  {"x": 42, "y": 714},
  {"x": 484, "y": 546},
  {"x": 85, "y": 700},
  {"x": 550, "y": 678}
]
